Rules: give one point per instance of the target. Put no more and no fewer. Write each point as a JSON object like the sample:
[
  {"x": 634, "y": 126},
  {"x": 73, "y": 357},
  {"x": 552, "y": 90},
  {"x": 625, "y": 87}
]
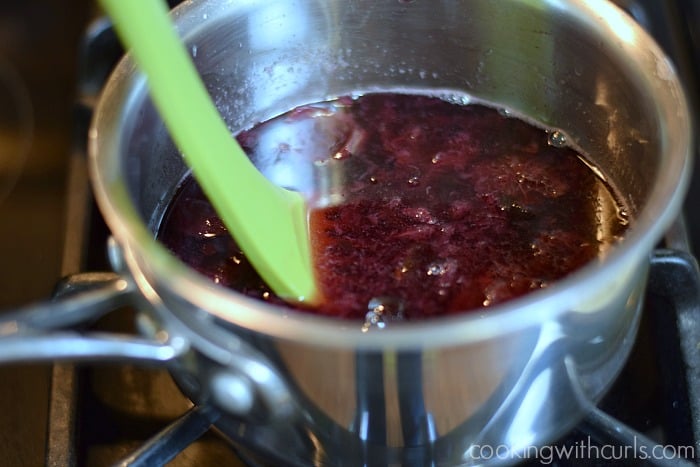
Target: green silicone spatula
[{"x": 268, "y": 222}]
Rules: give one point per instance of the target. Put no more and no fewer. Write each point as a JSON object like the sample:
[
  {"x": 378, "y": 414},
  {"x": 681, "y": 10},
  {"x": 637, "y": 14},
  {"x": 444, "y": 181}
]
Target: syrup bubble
[
  {"x": 415, "y": 177},
  {"x": 437, "y": 268},
  {"x": 459, "y": 99},
  {"x": 443, "y": 272},
  {"x": 557, "y": 139},
  {"x": 504, "y": 112},
  {"x": 420, "y": 214},
  {"x": 381, "y": 310}
]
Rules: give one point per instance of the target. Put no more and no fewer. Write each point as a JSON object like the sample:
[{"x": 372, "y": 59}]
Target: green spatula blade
[{"x": 268, "y": 222}]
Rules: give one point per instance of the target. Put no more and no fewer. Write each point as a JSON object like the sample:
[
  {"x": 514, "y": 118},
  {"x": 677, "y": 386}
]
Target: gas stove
[{"x": 130, "y": 415}]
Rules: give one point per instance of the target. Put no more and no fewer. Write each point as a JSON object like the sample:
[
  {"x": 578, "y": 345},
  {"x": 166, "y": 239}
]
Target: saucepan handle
[{"x": 50, "y": 331}]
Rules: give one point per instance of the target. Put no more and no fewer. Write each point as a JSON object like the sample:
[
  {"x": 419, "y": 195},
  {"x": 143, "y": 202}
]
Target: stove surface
[{"x": 38, "y": 64}]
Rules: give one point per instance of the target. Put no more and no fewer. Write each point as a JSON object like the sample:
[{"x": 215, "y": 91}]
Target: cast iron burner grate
[
  {"x": 130, "y": 416},
  {"x": 651, "y": 416}
]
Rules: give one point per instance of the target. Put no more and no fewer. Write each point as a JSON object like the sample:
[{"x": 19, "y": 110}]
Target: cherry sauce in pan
[{"x": 420, "y": 207}]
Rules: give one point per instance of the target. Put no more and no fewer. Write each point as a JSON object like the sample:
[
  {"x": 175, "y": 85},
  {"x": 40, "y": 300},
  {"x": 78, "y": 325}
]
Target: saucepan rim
[{"x": 572, "y": 293}]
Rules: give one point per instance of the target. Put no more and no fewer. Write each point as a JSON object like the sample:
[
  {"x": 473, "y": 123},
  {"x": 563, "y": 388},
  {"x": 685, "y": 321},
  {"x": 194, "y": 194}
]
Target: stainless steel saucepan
[{"x": 317, "y": 391}]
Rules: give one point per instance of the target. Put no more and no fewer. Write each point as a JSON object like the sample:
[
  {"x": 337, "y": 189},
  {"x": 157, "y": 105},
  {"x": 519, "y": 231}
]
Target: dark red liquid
[{"x": 435, "y": 208}]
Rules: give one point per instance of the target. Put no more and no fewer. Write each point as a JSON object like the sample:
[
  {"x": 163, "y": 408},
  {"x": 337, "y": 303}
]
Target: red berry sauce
[{"x": 435, "y": 208}]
